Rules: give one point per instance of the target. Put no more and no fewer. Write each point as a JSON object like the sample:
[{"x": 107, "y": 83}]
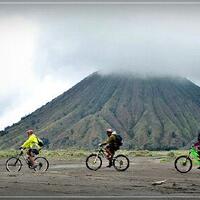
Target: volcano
[{"x": 155, "y": 113}]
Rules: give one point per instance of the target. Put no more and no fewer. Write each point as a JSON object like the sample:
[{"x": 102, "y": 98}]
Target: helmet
[
  {"x": 109, "y": 130},
  {"x": 30, "y": 131}
]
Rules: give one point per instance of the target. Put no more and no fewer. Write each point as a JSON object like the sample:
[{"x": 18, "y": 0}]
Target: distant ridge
[{"x": 153, "y": 113}]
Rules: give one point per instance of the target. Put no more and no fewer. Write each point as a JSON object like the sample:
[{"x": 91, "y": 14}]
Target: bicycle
[
  {"x": 183, "y": 164},
  {"x": 14, "y": 164},
  {"x": 94, "y": 161}
]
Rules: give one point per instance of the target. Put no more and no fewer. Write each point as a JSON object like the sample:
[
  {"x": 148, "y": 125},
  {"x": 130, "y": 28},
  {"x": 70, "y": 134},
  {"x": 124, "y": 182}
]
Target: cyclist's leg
[
  {"x": 198, "y": 151},
  {"x": 110, "y": 151},
  {"x": 30, "y": 160},
  {"x": 32, "y": 153}
]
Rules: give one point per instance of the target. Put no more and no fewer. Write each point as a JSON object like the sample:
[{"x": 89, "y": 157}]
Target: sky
[{"x": 46, "y": 49}]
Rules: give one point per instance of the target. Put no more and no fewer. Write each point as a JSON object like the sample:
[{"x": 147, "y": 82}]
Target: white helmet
[{"x": 109, "y": 130}]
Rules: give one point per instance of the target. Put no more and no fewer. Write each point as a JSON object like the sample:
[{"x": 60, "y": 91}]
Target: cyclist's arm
[{"x": 26, "y": 144}]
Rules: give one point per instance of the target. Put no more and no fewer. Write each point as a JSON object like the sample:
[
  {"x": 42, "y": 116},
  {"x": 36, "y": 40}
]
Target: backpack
[
  {"x": 119, "y": 140},
  {"x": 40, "y": 142}
]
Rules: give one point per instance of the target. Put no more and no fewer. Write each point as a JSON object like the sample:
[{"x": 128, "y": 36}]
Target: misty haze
[{"x": 78, "y": 76}]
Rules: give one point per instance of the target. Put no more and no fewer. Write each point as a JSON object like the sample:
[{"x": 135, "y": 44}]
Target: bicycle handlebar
[{"x": 21, "y": 152}]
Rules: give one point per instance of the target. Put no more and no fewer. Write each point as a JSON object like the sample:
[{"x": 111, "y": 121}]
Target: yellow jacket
[{"x": 31, "y": 142}]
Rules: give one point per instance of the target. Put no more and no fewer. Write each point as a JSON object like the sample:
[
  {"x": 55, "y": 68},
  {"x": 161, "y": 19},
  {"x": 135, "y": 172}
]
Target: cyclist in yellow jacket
[{"x": 32, "y": 145}]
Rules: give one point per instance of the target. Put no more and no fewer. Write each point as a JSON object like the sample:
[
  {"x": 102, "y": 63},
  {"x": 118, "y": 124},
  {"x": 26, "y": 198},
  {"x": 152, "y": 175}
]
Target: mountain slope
[{"x": 150, "y": 113}]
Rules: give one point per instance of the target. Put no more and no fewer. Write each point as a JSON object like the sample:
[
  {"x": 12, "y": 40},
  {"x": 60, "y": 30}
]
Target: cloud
[
  {"x": 47, "y": 49},
  {"x": 21, "y": 88},
  {"x": 143, "y": 39},
  {"x": 16, "y": 54}
]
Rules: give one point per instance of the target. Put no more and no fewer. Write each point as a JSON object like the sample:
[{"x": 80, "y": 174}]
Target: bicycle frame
[
  {"x": 101, "y": 152},
  {"x": 22, "y": 155},
  {"x": 194, "y": 154}
]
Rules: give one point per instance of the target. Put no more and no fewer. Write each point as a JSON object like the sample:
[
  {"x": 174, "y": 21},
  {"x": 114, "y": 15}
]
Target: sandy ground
[{"x": 72, "y": 180}]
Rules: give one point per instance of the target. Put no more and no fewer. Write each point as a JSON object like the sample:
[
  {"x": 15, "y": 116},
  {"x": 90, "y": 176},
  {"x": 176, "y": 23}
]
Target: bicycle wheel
[
  {"x": 42, "y": 164},
  {"x": 93, "y": 162},
  {"x": 13, "y": 164},
  {"x": 121, "y": 163},
  {"x": 183, "y": 164}
]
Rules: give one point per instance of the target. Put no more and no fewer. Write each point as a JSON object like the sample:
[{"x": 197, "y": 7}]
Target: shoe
[
  {"x": 198, "y": 167},
  {"x": 109, "y": 165},
  {"x": 33, "y": 167},
  {"x": 40, "y": 166}
]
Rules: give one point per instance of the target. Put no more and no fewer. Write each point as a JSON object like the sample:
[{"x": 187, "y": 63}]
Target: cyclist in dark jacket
[{"x": 111, "y": 145}]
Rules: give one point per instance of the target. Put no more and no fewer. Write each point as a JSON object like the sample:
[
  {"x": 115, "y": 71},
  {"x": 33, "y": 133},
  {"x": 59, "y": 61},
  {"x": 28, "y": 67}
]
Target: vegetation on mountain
[{"x": 154, "y": 113}]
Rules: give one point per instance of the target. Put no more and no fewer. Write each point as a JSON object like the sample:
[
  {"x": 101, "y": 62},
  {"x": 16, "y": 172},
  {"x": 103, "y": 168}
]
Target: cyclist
[
  {"x": 197, "y": 144},
  {"x": 112, "y": 145},
  {"x": 32, "y": 144}
]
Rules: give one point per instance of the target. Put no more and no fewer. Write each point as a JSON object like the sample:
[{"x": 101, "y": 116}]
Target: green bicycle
[
  {"x": 94, "y": 161},
  {"x": 183, "y": 164}
]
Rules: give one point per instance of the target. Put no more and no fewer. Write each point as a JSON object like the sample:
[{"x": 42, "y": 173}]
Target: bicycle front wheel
[
  {"x": 93, "y": 162},
  {"x": 42, "y": 164},
  {"x": 183, "y": 164},
  {"x": 121, "y": 163},
  {"x": 13, "y": 164}
]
